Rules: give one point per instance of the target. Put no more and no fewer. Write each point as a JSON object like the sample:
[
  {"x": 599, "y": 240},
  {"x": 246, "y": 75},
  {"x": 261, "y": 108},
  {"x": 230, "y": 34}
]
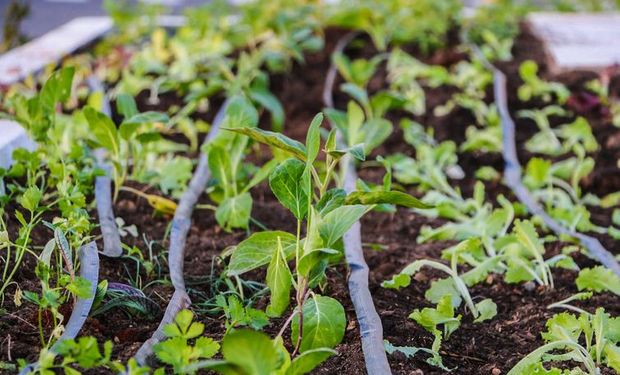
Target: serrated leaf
[
  {"x": 487, "y": 309},
  {"x": 598, "y": 279},
  {"x": 253, "y": 352}
]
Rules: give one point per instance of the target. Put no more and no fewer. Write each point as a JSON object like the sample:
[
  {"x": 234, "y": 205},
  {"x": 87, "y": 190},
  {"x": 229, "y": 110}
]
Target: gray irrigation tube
[
  {"x": 513, "y": 169},
  {"x": 103, "y": 188},
  {"x": 89, "y": 269},
  {"x": 181, "y": 224},
  {"x": 371, "y": 329}
]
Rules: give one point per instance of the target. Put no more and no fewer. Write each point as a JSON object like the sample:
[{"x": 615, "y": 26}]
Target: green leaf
[
  {"x": 400, "y": 280},
  {"x": 276, "y": 140},
  {"x": 612, "y": 355},
  {"x": 279, "y": 281},
  {"x": 271, "y": 103},
  {"x": 31, "y": 198},
  {"x": 308, "y": 360},
  {"x": 258, "y": 249},
  {"x": 80, "y": 287},
  {"x": 337, "y": 222},
  {"x": 240, "y": 113},
  {"x": 324, "y": 322},
  {"x": 313, "y": 138},
  {"x": 384, "y": 197},
  {"x": 234, "y": 212},
  {"x": 147, "y": 118},
  {"x": 286, "y": 183},
  {"x": 443, "y": 314},
  {"x": 331, "y": 200},
  {"x": 126, "y": 105},
  {"x": 253, "y": 352},
  {"x": 442, "y": 287},
  {"x": 103, "y": 130},
  {"x": 598, "y": 279},
  {"x": 487, "y": 309}
]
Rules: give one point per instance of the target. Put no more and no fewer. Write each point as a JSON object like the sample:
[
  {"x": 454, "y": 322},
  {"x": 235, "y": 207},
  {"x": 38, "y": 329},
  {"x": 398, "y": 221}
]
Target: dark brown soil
[{"x": 492, "y": 347}]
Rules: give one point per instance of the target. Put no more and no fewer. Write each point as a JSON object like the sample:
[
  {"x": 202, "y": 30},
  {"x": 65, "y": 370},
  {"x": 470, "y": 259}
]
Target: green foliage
[
  {"x": 535, "y": 87},
  {"x": 598, "y": 279},
  {"x": 590, "y": 340},
  {"x": 177, "y": 351}
]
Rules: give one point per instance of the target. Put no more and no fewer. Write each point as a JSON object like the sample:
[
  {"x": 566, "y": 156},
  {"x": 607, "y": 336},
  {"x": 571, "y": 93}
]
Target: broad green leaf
[
  {"x": 598, "y": 279},
  {"x": 279, "y": 280},
  {"x": 234, "y": 212},
  {"x": 442, "y": 287},
  {"x": 240, "y": 113},
  {"x": 103, "y": 130},
  {"x": 258, "y": 249},
  {"x": 337, "y": 222},
  {"x": 277, "y": 140},
  {"x": 331, "y": 200},
  {"x": 527, "y": 236},
  {"x": 126, "y": 105},
  {"x": 324, "y": 322},
  {"x": 312, "y": 258},
  {"x": 286, "y": 183},
  {"x": 308, "y": 361},
  {"x": 251, "y": 351},
  {"x": 487, "y": 309},
  {"x": 612, "y": 355},
  {"x": 31, "y": 198},
  {"x": 384, "y": 197}
]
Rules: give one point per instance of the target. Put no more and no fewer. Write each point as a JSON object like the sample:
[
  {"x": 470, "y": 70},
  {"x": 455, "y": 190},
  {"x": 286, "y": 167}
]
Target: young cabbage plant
[
  {"x": 316, "y": 321},
  {"x": 557, "y": 185},
  {"x": 571, "y": 137},
  {"x": 126, "y": 144},
  {"x": 588, "y": 340},
  {"x": 534, "y": 87}
]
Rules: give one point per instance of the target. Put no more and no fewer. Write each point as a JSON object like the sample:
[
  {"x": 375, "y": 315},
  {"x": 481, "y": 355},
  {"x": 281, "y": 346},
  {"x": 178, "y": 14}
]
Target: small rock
[
  {"x": 529, "y": 286},
  {"x": 613, "y": 141},
  {"x": 496, "y": 371},
  {"x": 127, "y": 205}
]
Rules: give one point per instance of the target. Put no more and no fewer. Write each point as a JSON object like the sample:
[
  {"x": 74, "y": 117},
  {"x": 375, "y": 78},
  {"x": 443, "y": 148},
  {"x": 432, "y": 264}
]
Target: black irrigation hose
[
  {"x": 103, "y": 190},
  {"x": 371, "y": 329},
  {"x": 89, "y": 269},
  {"x": 513, "y": 169},
  {"x": 181, "y": 224}
]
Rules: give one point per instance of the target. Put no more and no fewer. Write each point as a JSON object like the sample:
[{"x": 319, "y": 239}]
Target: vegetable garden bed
[{"x": 416, "y": 109}]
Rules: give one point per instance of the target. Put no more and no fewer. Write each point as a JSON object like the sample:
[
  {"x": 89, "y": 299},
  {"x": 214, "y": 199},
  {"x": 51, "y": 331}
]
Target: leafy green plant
[
  {"x": 328, "y": 214},
  {"x": 177, "y": 351},
  {"x": 432, "y": 319},
  {"x": 535, "y": 87},
  {"x": 129, "y": 141},
  {"x": 589, "y": 340},
  {"x": 225, "y": 153},
  {"x": 456, "y": 285}
]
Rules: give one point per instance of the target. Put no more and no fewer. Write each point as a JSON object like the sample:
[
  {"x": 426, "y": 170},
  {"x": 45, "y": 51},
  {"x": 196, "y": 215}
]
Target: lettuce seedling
[
  {"x": 534, "y": 87},
  {"x": 441, "y": 322},
  {"x": 455, "y": 285},
  {"x": 591, "y": 340}
]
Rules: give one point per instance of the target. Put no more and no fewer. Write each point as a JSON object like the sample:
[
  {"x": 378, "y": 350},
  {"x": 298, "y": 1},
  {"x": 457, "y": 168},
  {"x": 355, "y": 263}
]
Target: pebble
[{"x": 496, "y": 371}]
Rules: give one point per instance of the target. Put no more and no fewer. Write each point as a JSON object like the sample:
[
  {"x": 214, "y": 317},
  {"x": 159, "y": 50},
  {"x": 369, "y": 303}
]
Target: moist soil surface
[{"x": 491, "y": 347}]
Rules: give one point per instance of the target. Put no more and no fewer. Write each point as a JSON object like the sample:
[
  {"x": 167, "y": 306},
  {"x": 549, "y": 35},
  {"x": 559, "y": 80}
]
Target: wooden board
[
  {"x": 33, "y": 56},
  {"x": 578, "y": 41}
]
